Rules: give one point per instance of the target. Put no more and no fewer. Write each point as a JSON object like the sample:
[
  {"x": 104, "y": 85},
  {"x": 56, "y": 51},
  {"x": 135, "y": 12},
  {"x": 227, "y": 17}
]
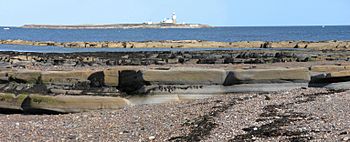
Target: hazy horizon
[
  {"x": 238, "y": 13},
  {"x": 192, "y": 23}
]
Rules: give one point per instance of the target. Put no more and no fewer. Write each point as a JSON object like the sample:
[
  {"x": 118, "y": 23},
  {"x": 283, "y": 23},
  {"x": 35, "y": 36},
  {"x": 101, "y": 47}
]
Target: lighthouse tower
[{"x": 174, "y": 18}]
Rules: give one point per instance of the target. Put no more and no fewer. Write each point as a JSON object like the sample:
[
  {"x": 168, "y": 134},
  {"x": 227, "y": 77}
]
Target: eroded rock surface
[
  {"x": 182, "y": 74},
  {"x": 320, "y": 45}
]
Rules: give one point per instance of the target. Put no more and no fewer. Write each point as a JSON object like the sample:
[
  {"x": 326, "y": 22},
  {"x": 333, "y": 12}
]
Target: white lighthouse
[
  {"x": 171, "y": 20},
  {"x": 174, "y": 18}
]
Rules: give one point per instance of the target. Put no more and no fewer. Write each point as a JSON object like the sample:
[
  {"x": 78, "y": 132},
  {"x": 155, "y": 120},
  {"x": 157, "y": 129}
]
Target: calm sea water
[{"x": 307, "y": 33}]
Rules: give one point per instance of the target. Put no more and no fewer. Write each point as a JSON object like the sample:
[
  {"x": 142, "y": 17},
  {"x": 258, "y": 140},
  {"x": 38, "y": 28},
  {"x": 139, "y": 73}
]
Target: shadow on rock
[{"x": 131, "y": 81}]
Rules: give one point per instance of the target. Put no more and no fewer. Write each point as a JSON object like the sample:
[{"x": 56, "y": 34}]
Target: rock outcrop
[
  {"x": 12, "y": 101},
  {"x": 86, "y": 90},
  {"x": 255, "y": 76},
  {"x": 29, "y": 77},
  {"x": 71, "y": 104},
  {"x": 329, "y": 68},
  {"x": 65, "y": 77},
  {"x": 111, "y": 59},
  {"x": 332, "y": 77},
  {"x": 58, "y": 104},
  {"x": 320, "y": 45},
  {"x": 185, "y": 76},
  {"x": 78, "y": 82},
  {"x": 112, "y": 76}
]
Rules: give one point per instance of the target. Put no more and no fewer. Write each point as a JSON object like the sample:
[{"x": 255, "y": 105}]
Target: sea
[{"x": 226, "y": 34}]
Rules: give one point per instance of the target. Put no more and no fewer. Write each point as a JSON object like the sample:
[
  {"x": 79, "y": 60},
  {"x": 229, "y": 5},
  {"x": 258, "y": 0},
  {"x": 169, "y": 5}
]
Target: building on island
[
  {"x": 174, "y": 18},
  {"x": 171, "y": 20}
]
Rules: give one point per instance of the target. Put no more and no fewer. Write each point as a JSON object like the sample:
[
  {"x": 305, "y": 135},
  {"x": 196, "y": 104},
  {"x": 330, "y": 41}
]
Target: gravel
[{"x": 294, "y": 115}]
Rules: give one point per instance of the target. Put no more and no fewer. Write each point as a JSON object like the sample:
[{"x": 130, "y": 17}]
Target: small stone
[
  {"x": 267, "y": 97},
  {"x": 125, "y": 132},
  {"x": 346, "y": 138},
  {"x": 151, "y": 137},
  {"x": 343, "y": 133}
]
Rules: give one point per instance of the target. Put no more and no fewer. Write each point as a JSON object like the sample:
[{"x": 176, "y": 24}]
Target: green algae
[
  {"x": 12, "y": 98},
  {"x": 11, "y": 101},
  {"x": 38, "y": 99}
]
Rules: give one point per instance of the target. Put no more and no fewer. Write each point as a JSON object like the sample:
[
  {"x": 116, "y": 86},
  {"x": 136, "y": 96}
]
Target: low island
[
  {"x": 166, "y": 23},
  {"x": 118, "y": 26}
]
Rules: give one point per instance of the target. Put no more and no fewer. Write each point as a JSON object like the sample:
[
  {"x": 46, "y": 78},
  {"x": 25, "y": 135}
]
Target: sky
[{"x": 212, "y": 12}]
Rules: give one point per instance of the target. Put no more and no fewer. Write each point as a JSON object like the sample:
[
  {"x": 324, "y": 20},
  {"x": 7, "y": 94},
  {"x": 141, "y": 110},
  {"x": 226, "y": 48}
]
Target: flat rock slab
[
  {"x": 167, "y": 98},
  {"x": 339, "y": 74},
  {"x": 112, "y": 75},
  {"x": 65, "y": 76},
  {"x": 185, "y": 76},
  {"x": 72, "y": 104},
  {"x": 328, "y": 68},
  {"x": 338, "y": 86},
  {"x": 264, "y": 87},
  {"x": 4, "y": 77},
  {"x": 281, "y": 75},
  {"x": 26, "y": 76},
  {"x": 220, "y": 89},
  {"x": 11, "y": 101},
  {"x": 321, "y": 79}
]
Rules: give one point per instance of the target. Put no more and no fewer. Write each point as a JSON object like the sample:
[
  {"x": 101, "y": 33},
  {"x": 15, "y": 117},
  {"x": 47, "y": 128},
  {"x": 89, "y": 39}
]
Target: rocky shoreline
[
  {"x": 314, "y": 45},
  {"x": 243, "y": 95},
  {"x": 59, "y": 80},
  {"x": 293, "y": 115}
]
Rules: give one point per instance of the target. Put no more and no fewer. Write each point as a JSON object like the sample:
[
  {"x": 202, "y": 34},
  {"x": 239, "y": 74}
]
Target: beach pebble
[{"x": 151, "y": 137}]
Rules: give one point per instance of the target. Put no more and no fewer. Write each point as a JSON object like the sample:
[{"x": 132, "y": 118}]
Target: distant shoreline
[
  {"x": 117, "y": 26},
  {"x": 202, "y": 26}
]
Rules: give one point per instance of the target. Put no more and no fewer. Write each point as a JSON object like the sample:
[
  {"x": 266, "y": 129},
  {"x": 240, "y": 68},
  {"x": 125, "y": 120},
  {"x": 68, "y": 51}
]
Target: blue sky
[{"x": 213, "y": 12}]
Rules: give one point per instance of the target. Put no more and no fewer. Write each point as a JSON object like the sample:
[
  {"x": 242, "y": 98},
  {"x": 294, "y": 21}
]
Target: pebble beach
[{"x": 295, "y": 115}]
